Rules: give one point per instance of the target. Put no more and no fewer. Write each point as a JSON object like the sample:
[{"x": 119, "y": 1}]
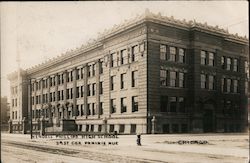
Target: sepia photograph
[{"x": 125, "y": 81}]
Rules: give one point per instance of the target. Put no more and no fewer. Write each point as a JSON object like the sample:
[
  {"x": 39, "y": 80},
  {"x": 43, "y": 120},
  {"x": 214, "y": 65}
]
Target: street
[{"x": 209, "y": 148}]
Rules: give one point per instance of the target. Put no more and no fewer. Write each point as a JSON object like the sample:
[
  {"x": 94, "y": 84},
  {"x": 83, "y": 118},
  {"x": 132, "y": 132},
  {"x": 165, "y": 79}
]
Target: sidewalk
[{"x": 154, "y": 147}]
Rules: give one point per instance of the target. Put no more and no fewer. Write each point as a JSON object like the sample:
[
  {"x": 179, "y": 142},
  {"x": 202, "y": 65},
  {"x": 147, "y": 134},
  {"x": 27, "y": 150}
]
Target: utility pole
[{"x": 30, "y": 107}]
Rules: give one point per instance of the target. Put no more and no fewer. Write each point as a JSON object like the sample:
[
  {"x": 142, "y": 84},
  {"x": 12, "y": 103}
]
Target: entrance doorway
[{"x": 208, "y": 120}]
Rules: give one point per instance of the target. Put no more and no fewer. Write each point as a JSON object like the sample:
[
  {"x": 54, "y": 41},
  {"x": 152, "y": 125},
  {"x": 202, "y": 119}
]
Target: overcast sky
[{"x": 43, "y": 30}]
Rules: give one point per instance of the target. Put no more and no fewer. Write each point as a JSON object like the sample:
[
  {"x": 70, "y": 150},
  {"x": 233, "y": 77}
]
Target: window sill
[
  {"x": 175, "y": 62},
  {"x": 168, "y": 87}
]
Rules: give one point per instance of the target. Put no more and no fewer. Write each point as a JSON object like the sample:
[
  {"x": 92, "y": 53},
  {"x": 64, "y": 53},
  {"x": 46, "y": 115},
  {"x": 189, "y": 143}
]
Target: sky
[{"x": 39, "y": 31}]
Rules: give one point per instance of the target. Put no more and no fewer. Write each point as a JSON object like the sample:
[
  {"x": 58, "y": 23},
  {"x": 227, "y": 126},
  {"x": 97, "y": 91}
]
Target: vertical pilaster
[
  {"x": 42, "y": 101},
  {"x": 98, "y": 88},
  {"x": 35, "y": 110},
  {"x": 106, "y": 85},
  {"x": 85, "y": 96},
  {"x": 65, "y": 76},
  {"x": 74, "y": 93}
]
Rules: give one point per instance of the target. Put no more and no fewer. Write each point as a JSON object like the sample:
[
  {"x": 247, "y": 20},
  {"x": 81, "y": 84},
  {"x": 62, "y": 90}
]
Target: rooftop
[{"x": 146, "y": 16}]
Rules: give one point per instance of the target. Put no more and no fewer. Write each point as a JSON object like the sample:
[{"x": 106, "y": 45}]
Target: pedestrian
[{"x": 139, "y": 139}]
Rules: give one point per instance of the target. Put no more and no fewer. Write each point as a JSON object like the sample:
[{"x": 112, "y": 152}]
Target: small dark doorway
[{"x": 208, "y": 120}]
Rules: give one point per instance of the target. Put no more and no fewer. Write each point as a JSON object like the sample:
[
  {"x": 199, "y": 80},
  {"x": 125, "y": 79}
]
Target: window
[
  {"x": 77, "y": 110},
  {"x": 223, "y": 62},
  {"x": 71, "y": 75},
  {"x": 112, "y": 84},
  {"x": 112, "y": 60},
  {"x": 235, "y": 65},
  {"x": 181, "y": 55},
  {"x": 222, "y": 84},
  {"x": 82, "y": 72},
  {"x": 82, "y": 92},
  {"x": 164, "y": 103},
  {"x": 99, "y": 128},
  {"x": 163, "y": 78},
  {"x": 235, "y": 86},
  {"x": 228, "y": 63},
  {"x": 133, "y": 128},
  {"x": 89, "y": 91},
  {"x": 77, "y": 92},
  {"x": 113, "y": 105},
  {"x": 134, "y": 78},
  {"x": 124, "y": 56},
  {"x": 61, "y": 94},
  {"x": 87, "y": 128},
  {"x": 203, "y": 81},
  {"x": 228, "y": 85},
  {"x": 122, "y": 81},
  {"x": 203, "y": 57},
  {"x": 71, "y": 93},
  {"x": 67, "y": 94},
  {"x": 88, "y": 109},
  {"x": 181, "y": 80},
  {"x": 93, "y": 89},
  {"x": 111, "y": 128},
  {"x": 94, "y": 69},
  {"x": 51, "y": 96},
  {"x": 92, "y": 128},
  {"x": 172, "y": 104},
  {"x": 58, "y": 96},
  {"x": 134, "y": 103},
  {"x": 172, "y": 56},
  {"x": 58, "y": 79},
  {"x": 43, "y": 83},
  {"x": 89, "y": 70},
  {"x": 135, "y": 50},
  {"x": 181, "y": 104},
  {"x": 123, "y": 105},
  {"x": 210, "y": 82},
  {"x": 101, "y": 67},
  {"x": 211, "y": 59},
  {"x": 101, "y": 108},
  {"x": 93, "y": 108},
  {"x": 101, "y": 88},
  {"x": 68, "y": 76},
  {"x": 121, "y": 128},
  {"x": 172, "y": 79},
  {"x": 62, "y": 78},
  {"x": 40, "y": 98},
  {"x": 82, "y": 110},
  {"x": 163, "y": 52},
  {"x": 78, "y": 74}
]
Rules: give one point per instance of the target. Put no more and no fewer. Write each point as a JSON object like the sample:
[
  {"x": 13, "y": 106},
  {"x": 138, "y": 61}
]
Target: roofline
[{"x": 147, "y": 16}]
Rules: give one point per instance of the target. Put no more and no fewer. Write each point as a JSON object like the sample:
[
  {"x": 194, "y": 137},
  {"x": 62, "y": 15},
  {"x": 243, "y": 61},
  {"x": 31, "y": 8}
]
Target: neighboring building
[
  {"x": 18, "y": 99},
  {"x": 152, "y": 74},
  {"x": 5, "y": 113},
  {"x": 5, "y": 110}
]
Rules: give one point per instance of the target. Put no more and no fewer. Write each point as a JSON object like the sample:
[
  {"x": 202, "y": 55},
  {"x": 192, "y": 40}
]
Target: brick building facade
[{"x": 153, "y": 74}]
